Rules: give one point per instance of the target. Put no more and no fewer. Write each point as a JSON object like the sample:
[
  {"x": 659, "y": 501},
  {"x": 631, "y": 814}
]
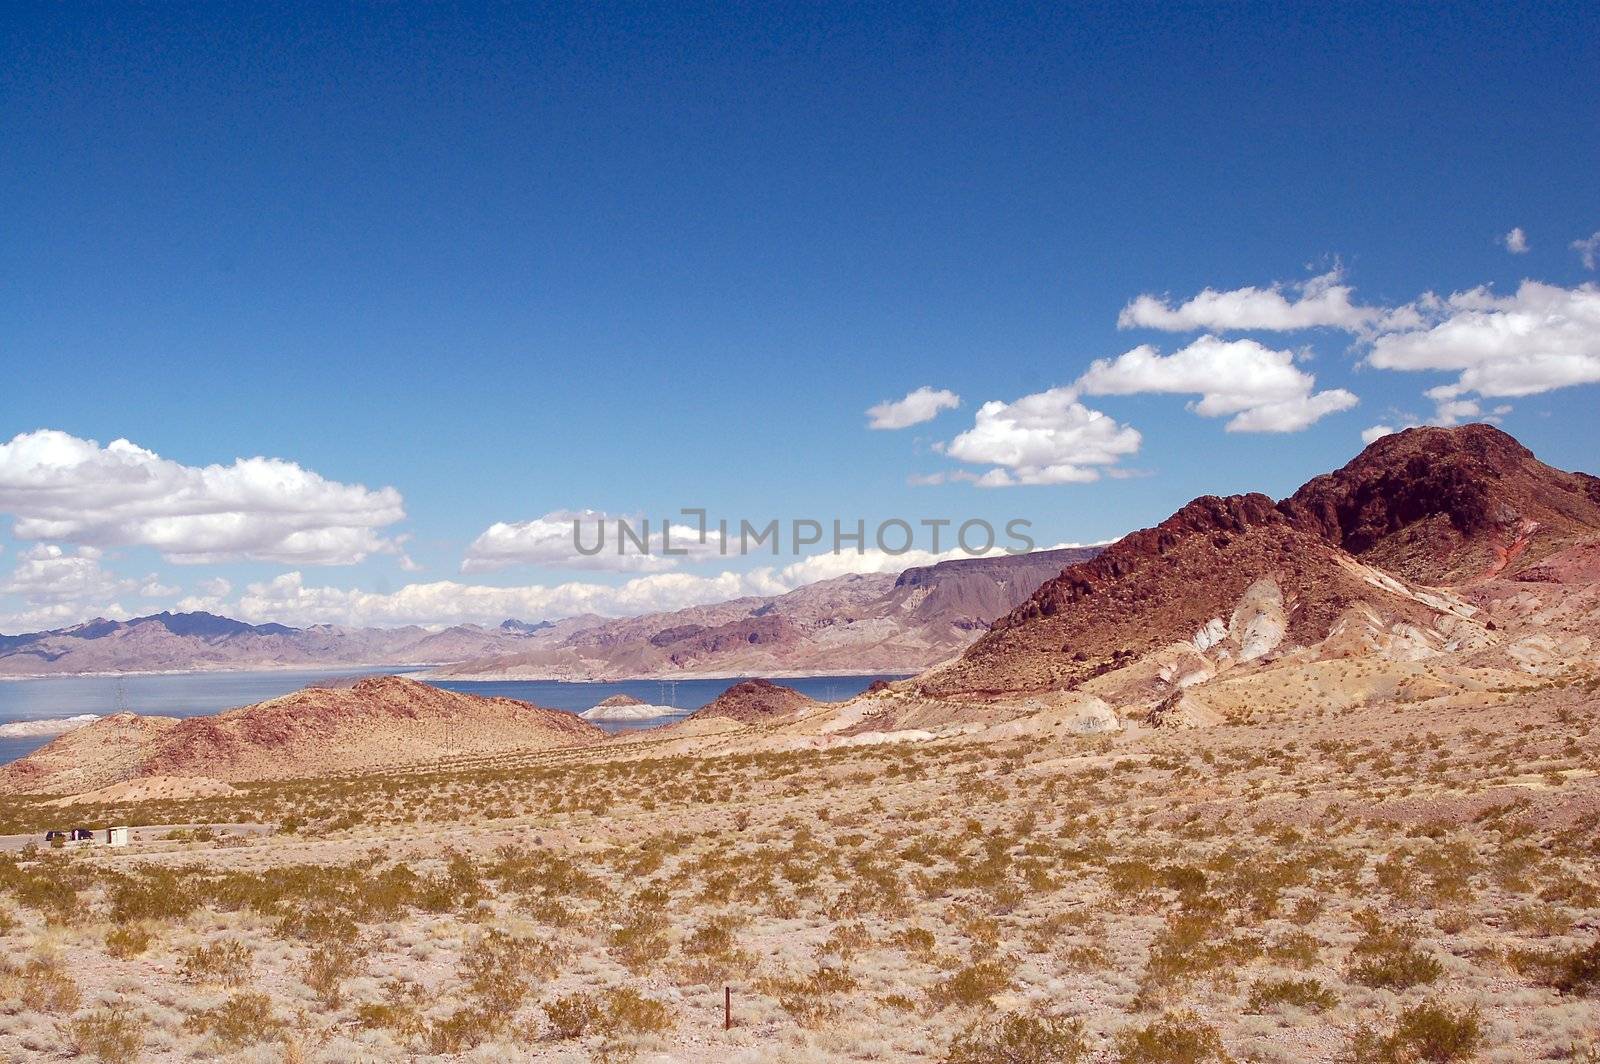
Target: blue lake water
[{"x": 199, "y": 693}]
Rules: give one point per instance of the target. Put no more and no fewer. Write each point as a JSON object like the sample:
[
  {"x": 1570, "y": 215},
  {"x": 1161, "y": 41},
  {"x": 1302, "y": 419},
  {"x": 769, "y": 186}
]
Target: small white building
[{"x": 116, "y": 836}]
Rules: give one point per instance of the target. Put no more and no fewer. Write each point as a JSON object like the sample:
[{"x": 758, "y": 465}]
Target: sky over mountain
[{"x": 344, "y": 315}]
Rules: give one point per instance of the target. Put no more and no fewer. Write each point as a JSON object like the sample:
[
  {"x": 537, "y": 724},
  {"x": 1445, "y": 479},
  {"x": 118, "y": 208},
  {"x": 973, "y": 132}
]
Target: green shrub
[
  {"x": 1300, "y": 993},
  {"x": 1388, "y": 956},
  {"x": 223, "y": 963},
  {"x": 128, "y": 940},
  {"x": 972, "y": 985},
  {"x": 1431, "y": 1032},
  {"x": 1578, "y": 972},
  {"x": 572, "y": 1015},
  {"x": 1019, "y": 1038},
  {"x": 626, "y": 1011},
  {"x": 112, "y": 1034},
  {"x": 1176, "y": 1038},
  {"x": 244, "y": 1019}
]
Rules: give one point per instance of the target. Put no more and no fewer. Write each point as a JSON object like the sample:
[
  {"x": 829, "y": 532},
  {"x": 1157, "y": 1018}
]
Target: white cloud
[
  {"x": 1378, "y": 432},
  {"x": 45, "y": 617},
  {"x": 1588, "y": 251},
  {"x": 924, "y": 404},
  {"x": 1259, "y": 388},
  {"x": 1320, "y": 301},
  {"x": 1447, "y": 413},
  {"x": 1542, "y": 338},
  {"x": 1045, "y": 438},
  {"x": 289, "y": 600},
  {"x": 59, "y": 587},
  {"x": 216, "y": 587},
  {"x": 47, "y": 575},
  {"x": 827, "y": 566},
  {"x": 549, "y": 541},
  {"x": 1516, "y": 241},
  {"x": 60, "y": 487}
]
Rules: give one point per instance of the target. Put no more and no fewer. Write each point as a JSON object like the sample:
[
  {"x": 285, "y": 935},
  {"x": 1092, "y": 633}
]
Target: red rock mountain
[
  {"x": 1444, "y": 506},
  {"x": 1426, "y": 506}
]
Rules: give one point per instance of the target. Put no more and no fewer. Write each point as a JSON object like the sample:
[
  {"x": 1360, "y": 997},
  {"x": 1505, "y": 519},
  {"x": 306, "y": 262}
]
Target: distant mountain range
[
  {"x": 176, "y": 642},
  {"x": 872, "y": 623},
  {"x": 850, "y": 624}
]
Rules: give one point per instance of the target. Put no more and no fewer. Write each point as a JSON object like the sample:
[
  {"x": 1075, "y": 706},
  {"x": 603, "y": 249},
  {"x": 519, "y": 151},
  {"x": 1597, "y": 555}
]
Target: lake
[{"x": 195, "y": 694}]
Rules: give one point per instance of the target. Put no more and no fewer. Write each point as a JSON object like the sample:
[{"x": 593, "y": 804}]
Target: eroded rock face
[
  {"x": 1181, "y": 710},
  {"x": 1241, "y": 578},
  {"x": 1222, "y": 574}
]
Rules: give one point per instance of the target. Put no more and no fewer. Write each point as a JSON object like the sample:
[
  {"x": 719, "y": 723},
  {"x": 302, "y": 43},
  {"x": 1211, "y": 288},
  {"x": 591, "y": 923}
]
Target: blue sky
[{"x": 513, "y": 262}]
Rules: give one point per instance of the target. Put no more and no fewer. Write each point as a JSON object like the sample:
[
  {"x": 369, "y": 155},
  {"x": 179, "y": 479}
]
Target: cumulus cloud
[
  {"x": 1045, "y": 438},
  {"x": 1321, "y": 301},
  {"x": 845, "y": 563},
  {"x": 60, "y": 487},
  {"x": 288, "y": 599},
  {"x": 47, "y": 574},
  {"x": 1258, "y": 388},
  {"x": 548, "y": 541},
  {"x": 53, "y": 615},
  {"x": 1516, "y": 241},
  {"x": 1448, "y": 412},
  {"x": 1588, "y": 251},
  {"x": 1542, "y": 338},
  {"x": 59, "y": 587},
  {"x": 924, "y": 404}
]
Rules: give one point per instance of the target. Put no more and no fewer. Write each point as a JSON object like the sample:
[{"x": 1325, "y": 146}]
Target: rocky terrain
[
  {"x": 850, "y": 624},
  {"x": 1344, "y": 557}
]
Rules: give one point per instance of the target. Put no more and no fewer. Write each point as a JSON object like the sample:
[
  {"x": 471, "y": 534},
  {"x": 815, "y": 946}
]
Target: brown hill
[
  {"x": 380, "y": 722},
  {"x": 1422, "y": 506},
  {"x": 1445, "y": 506},
  {"x": 754, "y": 701},
  {"x": 1165, "y": 585}
]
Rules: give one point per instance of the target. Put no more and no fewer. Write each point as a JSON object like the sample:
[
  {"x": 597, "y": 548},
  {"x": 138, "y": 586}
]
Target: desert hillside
[{"x": 380, "y": 722}]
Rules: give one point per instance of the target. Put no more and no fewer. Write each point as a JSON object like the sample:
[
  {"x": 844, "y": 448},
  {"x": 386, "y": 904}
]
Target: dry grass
[{"x": 1253, "y": 892}]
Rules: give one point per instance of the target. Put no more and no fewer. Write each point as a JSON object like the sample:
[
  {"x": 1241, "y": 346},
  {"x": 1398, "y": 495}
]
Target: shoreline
[
  {"x": 783, "y": 674},
  {"x": 423, "y": 671},
  {"x": 110, "y": 675}
]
